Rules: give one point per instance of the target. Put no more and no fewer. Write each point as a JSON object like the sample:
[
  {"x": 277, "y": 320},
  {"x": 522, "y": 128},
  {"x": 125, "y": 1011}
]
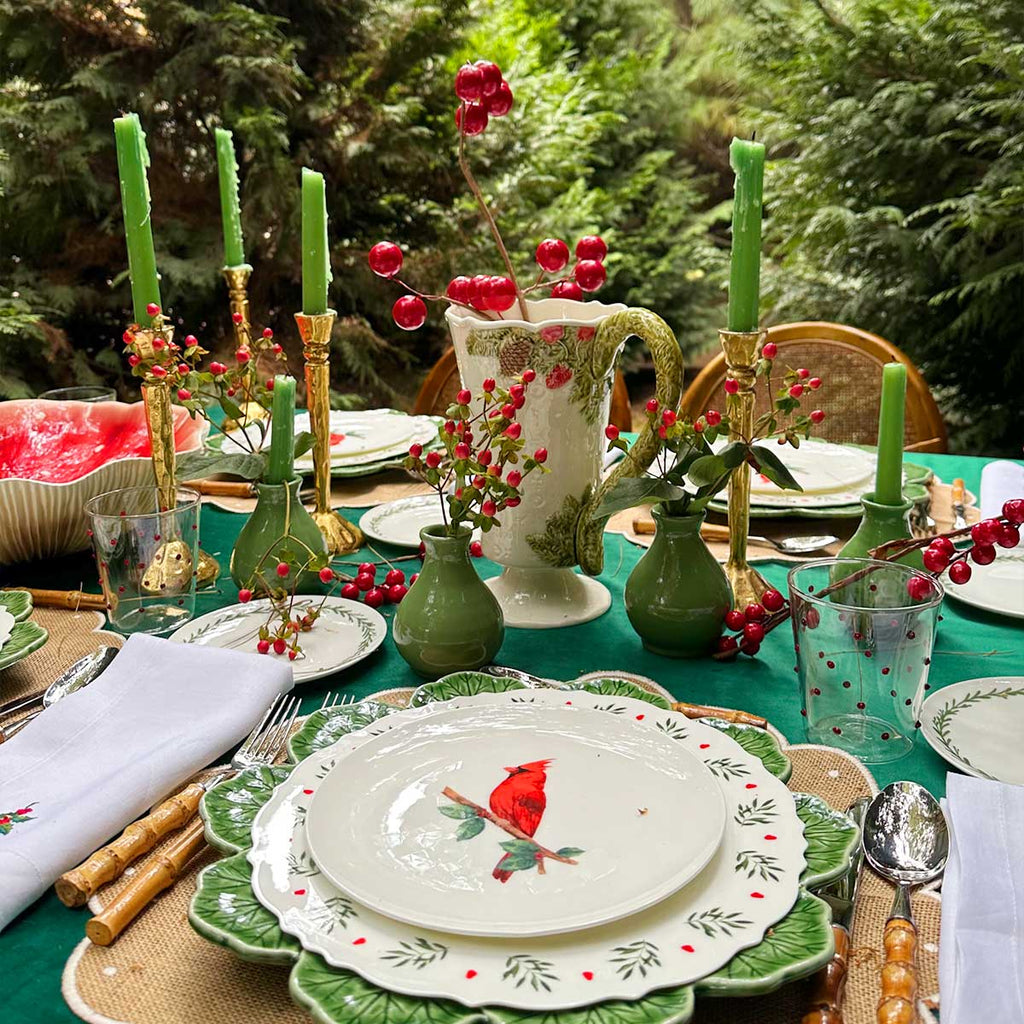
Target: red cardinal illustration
[{"x": 520, "y": 799}]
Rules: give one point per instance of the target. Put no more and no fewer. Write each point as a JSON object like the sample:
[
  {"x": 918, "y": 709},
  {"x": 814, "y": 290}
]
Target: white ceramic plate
[
  {"x": 345, "y": 633},
  {"x": 997, "y": 587},
  {"x": 399, "y": 522},
  {"x": 976, "y": 726},
  {"x": 749, "y": 884},
  {"x": 6, "y": 626},
  {"x": 821, "y": 468},
  {"x": 388, "y": 828}
]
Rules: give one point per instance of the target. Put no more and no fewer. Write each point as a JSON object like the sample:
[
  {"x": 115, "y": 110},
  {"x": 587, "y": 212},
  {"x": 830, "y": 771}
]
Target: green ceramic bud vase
[
  {"x": 677, "y": 594},
  {"x": 278, "y": 525},
  {"x": 879, "y": 525},
  {"x": 448, "y": 621}
]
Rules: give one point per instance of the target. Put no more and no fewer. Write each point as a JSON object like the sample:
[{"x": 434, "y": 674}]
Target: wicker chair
[
  {"x": 442, "y": 383},
  {"x": 849, "y": 361}
]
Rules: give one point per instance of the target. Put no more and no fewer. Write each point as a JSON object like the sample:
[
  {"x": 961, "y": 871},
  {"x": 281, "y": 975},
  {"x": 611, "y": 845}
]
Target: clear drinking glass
[
  {"x": 80, "y": 394},
  {"x": 146, "y": 556},
  {"x": 863, "y": 648}
]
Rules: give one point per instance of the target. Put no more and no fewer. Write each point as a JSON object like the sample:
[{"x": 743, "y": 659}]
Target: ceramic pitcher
[{"x": 573, "y": 348}]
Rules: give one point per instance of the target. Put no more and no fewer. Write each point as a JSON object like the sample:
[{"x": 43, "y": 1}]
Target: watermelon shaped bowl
[{"x": 54, "y": 456}]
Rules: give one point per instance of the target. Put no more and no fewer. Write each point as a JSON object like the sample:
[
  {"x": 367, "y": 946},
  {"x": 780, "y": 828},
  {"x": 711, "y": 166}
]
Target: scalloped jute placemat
[{"x": 161, "y": 972}]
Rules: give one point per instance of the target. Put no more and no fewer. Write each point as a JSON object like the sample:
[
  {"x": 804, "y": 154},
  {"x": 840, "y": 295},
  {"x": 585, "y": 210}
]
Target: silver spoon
[
  {"x": 906, "y": 840},
  {"x": 80, "y": 674},
  {"x": 796, "y": 545}
]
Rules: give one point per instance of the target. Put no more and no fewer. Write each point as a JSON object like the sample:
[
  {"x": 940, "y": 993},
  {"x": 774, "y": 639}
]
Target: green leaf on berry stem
[{"x": 771, "y": 466}]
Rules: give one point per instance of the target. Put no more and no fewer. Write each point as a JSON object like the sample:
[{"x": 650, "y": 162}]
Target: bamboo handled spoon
[{"x": 906, "y": 840}]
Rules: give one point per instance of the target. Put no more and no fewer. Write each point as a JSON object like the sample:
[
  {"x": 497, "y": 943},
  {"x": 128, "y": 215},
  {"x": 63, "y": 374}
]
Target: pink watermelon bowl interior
[{"x": 54, "y": 456}]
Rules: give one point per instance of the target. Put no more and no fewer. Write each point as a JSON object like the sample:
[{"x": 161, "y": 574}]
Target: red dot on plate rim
[
  {"x": 704, "y": 746},
  {"x": 471, "y": 974},
  {"x": 588, "y": 975},
  {"x": 300, "y": 892},
  {"x": 770, "y": 837},
  {"x": 359, "y": 941},
  {"x": 757, "y": 895},
  {"x": 687, "y": 948},
  {"x": 639, "y": 718},
  {"x": 307, "y": 791},
  {"x": 751, "y": 785}
]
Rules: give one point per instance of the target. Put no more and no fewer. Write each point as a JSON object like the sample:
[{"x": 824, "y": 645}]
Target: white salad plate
[
  {"x": 750, "y": 883},
  {"x": 346, "y": 632},
  {"x": 399, "y": 522},
  {"x": 997, "y": 587},
  {"x": 519, "y": 820},
  {"x": 976, "y": 726},
  {"x": 822, "y": 469}
]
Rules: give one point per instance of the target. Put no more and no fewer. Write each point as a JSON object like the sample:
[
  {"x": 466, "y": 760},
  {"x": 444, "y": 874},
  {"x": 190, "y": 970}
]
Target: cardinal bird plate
[
  {"x": 516, "y": 818},
  {"x": 752, "y": 882}
]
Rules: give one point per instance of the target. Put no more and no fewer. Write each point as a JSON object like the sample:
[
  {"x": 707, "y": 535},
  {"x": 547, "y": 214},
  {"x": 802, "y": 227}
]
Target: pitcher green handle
[{"x": 668, "y": 368}]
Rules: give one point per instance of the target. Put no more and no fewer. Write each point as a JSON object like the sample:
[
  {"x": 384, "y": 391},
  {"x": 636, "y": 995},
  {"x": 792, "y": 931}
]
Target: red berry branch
[{"x": 483, "y": 93}]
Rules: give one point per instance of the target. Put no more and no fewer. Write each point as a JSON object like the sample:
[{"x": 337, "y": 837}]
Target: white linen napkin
[
  {"x": 94, "y": 761},
  {"x": 1000, "y": 481},
  {"x": 981, "y": 948}
]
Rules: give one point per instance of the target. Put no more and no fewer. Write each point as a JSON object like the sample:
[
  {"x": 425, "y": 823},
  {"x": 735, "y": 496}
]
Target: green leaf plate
[
  {"x": 225, "y": 910},
  {"x": 17, "y": 602},
  {"x": 25, "y": 638}
]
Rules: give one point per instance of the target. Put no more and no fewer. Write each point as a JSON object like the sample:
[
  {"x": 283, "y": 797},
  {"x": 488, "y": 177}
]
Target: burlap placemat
[
  {"x": 72, "y": 635},
  {"x": 161, "y": 972}
]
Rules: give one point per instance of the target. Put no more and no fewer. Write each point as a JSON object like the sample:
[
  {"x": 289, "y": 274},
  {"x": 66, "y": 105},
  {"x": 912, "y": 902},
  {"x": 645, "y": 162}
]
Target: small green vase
[
  {"x": 278, "y": 522},
  {"x": 677, "y": 594},
  {"x": 448, "y": 621},
  {"x": 879, "y": 525}
]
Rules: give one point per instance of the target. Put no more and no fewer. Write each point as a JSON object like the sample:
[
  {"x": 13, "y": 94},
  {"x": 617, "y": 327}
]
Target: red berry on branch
[
  {"x": 394, "y": 576},
  {"x": 1009, "y": 536},
  {"x": 475, "y": 119},
  {"x": 449, "y": 427},
  {"x": 267, "y": 333},
  {"x": 1014, "y": 510},
  {"x": 433, "y": 460},
  {"x": 280, "y": 646},
  {"x": 217, "y": 369},
  {"x": 488, "y": 508},
  {"x": 513, "y": 501},
  {"x": 750, "y": 647},
  {"x": 410, "y": 312},
  {"x": 369, "y": 568},
  {"x": 960, "y": 572},
  {"x": 464, "y": 397},
  {"x": 375, "y": 597},
  {"x": 501, "y": 293},
  {"x": 772, "y": 600},
  {"x": 491, "y": 74},
  {"x": 611, "y": 432},
  {"x": 591, "y": 247},
  {"x": 231, "y": 392},
  {"x": 469, "y": 83},
  {"x": 567, "y": 290},
  {"x": 814, "y": 383},
  {"x": 529, "y": 376},
  {"x": 460, "y": 289},
  {"x": 152, "y": 309},
  {"x": 713, "y": 417},
  {"x": 499, "y": 103},
  {"x": 935, "y": 559},
  {"x": 236, "y": 318},
  {"x": 484, "y": 458},
  {"x": 698, "y": 425},
  {"x": 668, "y": 417},
  {"x": 184, "y": 394},
  {"x": 735, "y": 619},
  {"x": 986, "y": 532},
  {"x": 292, "y": 654},
  {"x": 540, "y": 455},
  {"x": 462, "y": 450},
  {"x": 478, "y": 292},
  {"x": 513, "y": 430},
  {"x": 190, "y": 340},
  {"x": 158, "y": 343},
  {"x": 652, "y": 405},
  {"x": 770, "y": 350},
  {"x": 552, "y": 255},
  {"x": 397, "y": 592},
  {"x": 158, "y": 371},
  {"x": 754, "y": 632},
  {"x": 413, "y": 578},
  {"x": 263, "y": 646},
  {"x": 476, "y": 549},
  {"x": 183, "y": 368},
  {"x": 134, "y": 360},
  {"x": 245, "y": 595},
  {"x": 508, "y": 411},
  {"x": 589, "y": 274},
  {"x": 754, "y": 612},
  {"x": 726, "y": 643},
  {"x": 514, "y": 478},
  {"x": 270, "y": 384},
  {"x": 803, "y": 373},
  {"x": 385, "y": 259},
  {"x": 796, "y": 391},
  {"x": 818, "y": 416},
  {"x": 983, "y": 554},
  {"x": 242, "y": 355},
  {"x": 944, "y": 544},
  {"x": 918, "y": 588},
  {"x": 128, "y": 338},
  {"x": 364, "y": 581},
  {"x": 731, "y": 386},
  {"x": 326, "y": 574},
  {"x": 488, "y": 385},
  {"x": 416, "y": 450},
  {"x": 283, "y": 569},
  {"x": 350, "y": 591}
]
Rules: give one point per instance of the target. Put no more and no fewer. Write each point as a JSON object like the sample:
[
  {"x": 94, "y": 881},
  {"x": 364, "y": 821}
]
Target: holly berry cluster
[
  {"x": 484, "y": 93},
  {"x": 751, "y": 624},
  {"x": 942, "y": 554},
  {"x": 783, "y": 420},
  {"x": 232, "y": 387},
  {"x": 476, "y": 472}
]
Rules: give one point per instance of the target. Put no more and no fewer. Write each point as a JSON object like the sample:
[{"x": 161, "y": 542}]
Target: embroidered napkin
[
  {"x": 981, "y": 948},
  {"x": 94, "y": 761}
]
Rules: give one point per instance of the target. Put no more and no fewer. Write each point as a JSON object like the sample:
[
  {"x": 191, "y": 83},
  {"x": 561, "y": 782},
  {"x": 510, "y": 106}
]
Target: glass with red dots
[
  {"x": 147, "y": 556},
  {"x": 863, "y": 632}
]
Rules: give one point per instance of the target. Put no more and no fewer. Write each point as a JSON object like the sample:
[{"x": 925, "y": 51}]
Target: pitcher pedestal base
[{"x": 548, "y": 598}]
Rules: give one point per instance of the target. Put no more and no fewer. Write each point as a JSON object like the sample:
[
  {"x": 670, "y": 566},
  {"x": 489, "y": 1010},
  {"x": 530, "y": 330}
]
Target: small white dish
[
  {"x": 399, "y": 522},
  {"x": 346, "y": 633},
  {"x": 976, "y": 726},
  {"x": 573, "y": 820},
  {"x": 997, "y": 587}
]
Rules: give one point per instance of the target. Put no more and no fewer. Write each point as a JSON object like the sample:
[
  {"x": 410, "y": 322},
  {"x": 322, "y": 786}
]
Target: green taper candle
[
  {"x": 230, "y": 211},
  {"x": 889, "y": 475},
  {"x": 132, "y": 161},
  {"x": 280, "y": 467},
  {"x": 747, "y": 159},
  {"x": 316, "y": 258}
]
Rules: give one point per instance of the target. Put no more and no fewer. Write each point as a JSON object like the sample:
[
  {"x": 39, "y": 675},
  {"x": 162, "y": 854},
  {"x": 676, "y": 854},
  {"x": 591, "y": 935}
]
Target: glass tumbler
[
  {"x": 863, "y": 632},
  {"x": 146, "y": 556},
  {"x": 80, "y": 394}
]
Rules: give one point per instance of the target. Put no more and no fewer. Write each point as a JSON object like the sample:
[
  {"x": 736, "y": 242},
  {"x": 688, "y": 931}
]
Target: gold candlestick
[
  {"x": 315, "y": 330},
  {"x": 237, "y": 280},
  {"x": 172, "y": 565},
  {"x": 742, "y": 351}
]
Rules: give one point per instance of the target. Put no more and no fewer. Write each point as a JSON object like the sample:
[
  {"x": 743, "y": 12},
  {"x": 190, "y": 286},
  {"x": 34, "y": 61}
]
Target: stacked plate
[
  {"x": 19, "y": 636},
  {"x": 532, "y": 849},
  {"x": 833, "y": 478},
  {"x": 362, "y": 442}
]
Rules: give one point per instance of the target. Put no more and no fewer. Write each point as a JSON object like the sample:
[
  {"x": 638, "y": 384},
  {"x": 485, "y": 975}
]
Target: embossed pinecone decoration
[{"x": 514, "y": 355}]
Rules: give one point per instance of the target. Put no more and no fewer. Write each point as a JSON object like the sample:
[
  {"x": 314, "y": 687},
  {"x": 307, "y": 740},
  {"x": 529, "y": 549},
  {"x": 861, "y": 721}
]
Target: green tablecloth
[{"x": 33, "y": 949}]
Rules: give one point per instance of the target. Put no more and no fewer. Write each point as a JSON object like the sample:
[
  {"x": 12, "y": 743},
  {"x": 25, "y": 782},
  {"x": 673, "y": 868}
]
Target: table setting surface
[{"x": 971, "y": 643}]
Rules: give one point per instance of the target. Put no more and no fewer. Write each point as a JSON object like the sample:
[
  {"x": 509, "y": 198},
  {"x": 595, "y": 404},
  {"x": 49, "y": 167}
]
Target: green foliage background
[{"x": 895, "y": 185}]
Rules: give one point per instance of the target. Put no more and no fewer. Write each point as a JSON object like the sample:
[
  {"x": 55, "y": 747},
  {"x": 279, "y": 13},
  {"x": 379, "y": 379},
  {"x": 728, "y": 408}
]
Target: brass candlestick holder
[
  {"x": 342, "y": 537},
  {"x": 171, "y": 567},
  {"x": 742, "y": 350},
  {"x": 237, "y": 280}
]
